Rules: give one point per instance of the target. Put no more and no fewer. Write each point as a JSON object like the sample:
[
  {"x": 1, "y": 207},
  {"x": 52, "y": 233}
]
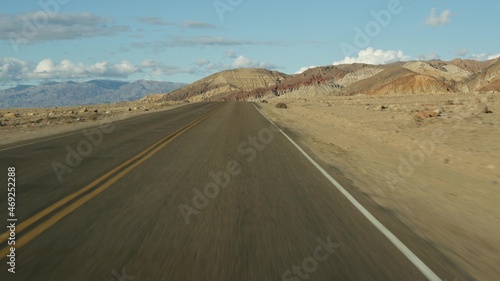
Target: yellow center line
[{"x": 150, "y": 151}]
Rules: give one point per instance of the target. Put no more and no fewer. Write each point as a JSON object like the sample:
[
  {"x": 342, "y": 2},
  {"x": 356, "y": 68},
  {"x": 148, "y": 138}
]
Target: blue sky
[{"x": 183, "y": 41}]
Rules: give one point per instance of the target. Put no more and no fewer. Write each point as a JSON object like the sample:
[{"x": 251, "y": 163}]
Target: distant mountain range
[
  {"x": 399, "y": 78},
  {"x": 74, "y": 93}
]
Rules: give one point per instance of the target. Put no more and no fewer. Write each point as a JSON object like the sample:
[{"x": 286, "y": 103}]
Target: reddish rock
[{"x": 424, "y": 114}]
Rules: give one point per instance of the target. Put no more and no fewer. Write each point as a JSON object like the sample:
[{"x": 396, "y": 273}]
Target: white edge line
[{"x": 424, "y": 269}]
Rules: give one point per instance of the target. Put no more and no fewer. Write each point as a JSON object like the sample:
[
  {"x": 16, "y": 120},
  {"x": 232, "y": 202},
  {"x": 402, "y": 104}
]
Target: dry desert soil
[
  {"x": 432, "y": 160},
  {"x": 23, "y": 124}
]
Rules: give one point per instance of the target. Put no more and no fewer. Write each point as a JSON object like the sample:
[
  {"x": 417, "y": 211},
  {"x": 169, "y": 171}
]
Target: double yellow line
[{"x": 127, "y": 166}]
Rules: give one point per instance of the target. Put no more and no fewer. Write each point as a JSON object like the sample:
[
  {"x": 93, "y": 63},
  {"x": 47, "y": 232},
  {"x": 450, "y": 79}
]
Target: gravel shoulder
[{"x": 23, "y": 124}]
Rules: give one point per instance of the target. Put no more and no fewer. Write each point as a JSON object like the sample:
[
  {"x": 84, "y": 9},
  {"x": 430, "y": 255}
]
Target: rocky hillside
[
  {"x": 399, "y": 78},
  {"x": 485, "y": 80},
  {"x": 73, "y": 93},
  {"x": 227, "y": 83}
]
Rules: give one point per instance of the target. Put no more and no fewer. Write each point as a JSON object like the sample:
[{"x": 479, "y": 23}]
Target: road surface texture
[{"x": 207, "y": 191}]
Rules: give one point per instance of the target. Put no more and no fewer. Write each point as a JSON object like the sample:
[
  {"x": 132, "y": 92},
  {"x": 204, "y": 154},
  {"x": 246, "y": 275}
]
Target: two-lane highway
[{"x": 208, "y": 191}]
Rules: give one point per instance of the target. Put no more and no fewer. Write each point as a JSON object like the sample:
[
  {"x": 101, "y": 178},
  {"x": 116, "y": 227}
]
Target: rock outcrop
[{"x": 399, "y": 78}]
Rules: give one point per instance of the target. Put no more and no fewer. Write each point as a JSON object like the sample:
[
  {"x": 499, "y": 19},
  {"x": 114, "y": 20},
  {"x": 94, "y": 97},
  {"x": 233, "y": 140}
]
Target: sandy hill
[
  {"x": 470, "y": 65},
  {"x": 399, "y": 78},
  {"x": 323, "y": 80},
  {"x": 492, "y": 86},
  {"x": 360, "y": 74},
  {"x": 486, "y": 79},
  {"x": 438, "y": 70},
  {"x": 226, "y": 83}
]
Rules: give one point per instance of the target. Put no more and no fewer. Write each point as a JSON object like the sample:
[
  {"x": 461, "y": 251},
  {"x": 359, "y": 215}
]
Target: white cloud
[
  {"x": 48, "y": 69},
  {"x": 148, "y": 63},
  {"x": 462, "y": 52},
  {"x": 372, "y": 56},
  {"x": 125, "y": 68},
  {"x": 305, "y": 68},
  {"x": 243, "y": 62},
  {"x": 484, "y": 56},
  {"x": 12, "y": 69},
  {"x": 17, "y": 70},
  {"x": 434, "y": 19}
]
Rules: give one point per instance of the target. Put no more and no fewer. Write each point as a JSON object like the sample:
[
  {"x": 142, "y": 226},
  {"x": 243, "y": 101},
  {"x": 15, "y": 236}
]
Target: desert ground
[
  {"x": 433, "y": 160},
  {"x": 21, "y": 124}
]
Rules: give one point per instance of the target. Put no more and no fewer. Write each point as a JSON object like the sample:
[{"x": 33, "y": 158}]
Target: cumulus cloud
[
  {"x": 305, "y": 68},
  {"x": 442, "y": 19},
  {"x": 484, "y": 56},
  {"x": 48, "y": 69},
  {"x": 12, "y": 69},
  {"x": 17, "y": 70},
  {"x": 42, "y": 26},
  {"x": 243, "y": 62},
  {"x": 372, "y": 56}
]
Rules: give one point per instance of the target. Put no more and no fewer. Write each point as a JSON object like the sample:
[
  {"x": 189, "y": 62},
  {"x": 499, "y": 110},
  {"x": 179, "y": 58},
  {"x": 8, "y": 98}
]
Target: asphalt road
[{"x": 208, "y": 191}]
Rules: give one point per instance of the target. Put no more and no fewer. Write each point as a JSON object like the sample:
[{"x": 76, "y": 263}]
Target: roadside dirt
[
  {"x": 434, "y": 160},
  {"x": 21, "y": 124}
]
